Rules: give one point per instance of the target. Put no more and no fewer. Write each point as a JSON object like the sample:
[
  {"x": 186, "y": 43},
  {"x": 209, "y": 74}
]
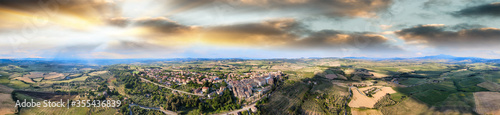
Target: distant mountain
[
  {"x": 106, "y": 61},
  {"x": 449, "y": 58},
  {"x": 367, "y": 58},
  {"x": 441, "y": 56},
  {"x": 435, "y": 57},
  {"x": 453, "y": 58}
]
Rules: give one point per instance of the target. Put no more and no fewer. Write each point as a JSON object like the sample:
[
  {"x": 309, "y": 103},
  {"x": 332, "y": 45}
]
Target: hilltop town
[{"x": 248, "y": 86}]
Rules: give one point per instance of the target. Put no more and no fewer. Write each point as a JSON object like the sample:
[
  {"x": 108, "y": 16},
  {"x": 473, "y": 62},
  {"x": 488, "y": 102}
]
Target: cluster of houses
[
  {"x": 243, "y": 86},
  {"x": 181, "y": 77},
  {"x": 257, "y": 84}
]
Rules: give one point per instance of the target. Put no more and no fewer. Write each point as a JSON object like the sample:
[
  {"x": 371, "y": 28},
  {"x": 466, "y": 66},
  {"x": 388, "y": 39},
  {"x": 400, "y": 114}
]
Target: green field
[
  {"x": 412, "y": 81},
  {"x": 18, "y": 84},
  {"x": 4, "y": 78},
  {"x": 430, "y": 93},
  {"x": 398, "y": 97},
  {"x": 463, "y": 101},
  {"x": 82, "y": 78}
]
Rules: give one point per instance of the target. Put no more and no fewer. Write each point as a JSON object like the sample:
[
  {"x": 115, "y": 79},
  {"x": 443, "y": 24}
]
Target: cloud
[
  {"x": 289, "y": 34},
  {"x": 492, "y": 9},
  {"x": 75, "y": 14},
  {"x": 334, "y": 40},
  {"x": 119, "y": 21},
  {"x": 463, "y": 36},
  {"x": 68, "y": 29},
  {"x": 275, "y": 34},
  {"x": 163, "y": 25},
  {"x": 435, "y": 3},
  {"x": 330, "y": 8},
  {"x": 264, "y": 34},
  {"x": 163, "y": 33},
  {"x": 123, "y": 46}
]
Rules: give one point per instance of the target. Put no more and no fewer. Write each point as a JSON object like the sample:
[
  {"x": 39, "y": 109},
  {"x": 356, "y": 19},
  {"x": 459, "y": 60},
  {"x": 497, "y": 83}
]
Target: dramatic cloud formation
[
  {"x": 263, "y": 34},
  {"x": 492, "y": 9},
  {"x": 76, "y": 14},
  {"x": 459, "y": 36},
  {"x": 277, "y": 34},
  {"x": 261, "y": 28},
  {"x": 292, "y": 35}
]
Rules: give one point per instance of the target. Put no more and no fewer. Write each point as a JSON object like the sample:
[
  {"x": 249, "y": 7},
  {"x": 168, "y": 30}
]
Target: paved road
[
  {"x": 159, "y": 109},
  {"x": 347, "y": 102},
  {"x": 239, "y": 110},
  {"x": 171, "y": 88}
]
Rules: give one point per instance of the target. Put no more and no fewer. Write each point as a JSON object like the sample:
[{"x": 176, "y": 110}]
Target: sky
[{"x": 121, "y": 29}]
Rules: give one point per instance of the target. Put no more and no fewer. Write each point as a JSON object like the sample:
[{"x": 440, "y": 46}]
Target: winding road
[
  {"x": 159, "y": 109},
  {"x": 180, "y": 91},
  {"x": 239, "y": 110}
]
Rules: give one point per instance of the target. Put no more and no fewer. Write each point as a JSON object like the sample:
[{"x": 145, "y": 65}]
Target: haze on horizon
[{"x": 117, "y": 29}]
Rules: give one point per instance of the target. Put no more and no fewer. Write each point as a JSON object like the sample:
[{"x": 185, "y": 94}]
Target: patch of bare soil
[
  {"x": 378, "y": 75},
  {"x": 54, "y": 75},
  {"x": 5, "y": 89},
  {"x": 7, "y": 105},
  {"x": 34, "y": 75},
  {"x": 359, "y": 99},
  {"x": 487, "y": 103},
  {"x": 25, "y": 79}
]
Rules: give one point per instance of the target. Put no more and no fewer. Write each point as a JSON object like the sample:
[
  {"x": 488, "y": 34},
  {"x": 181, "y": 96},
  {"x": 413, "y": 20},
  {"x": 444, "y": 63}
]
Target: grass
[
  {"x": 469, "y": 84},
  {"x": 364, "y": 111},
  {"x": 459, "y": 74},
  {"x": 456, "y": 103},
  {"x": 55, "y": 111},
  {"x": 428, "y": 74},
  {"x": 412, "y": 81},
  {"x": 284, "y": 99},
  {"x": 103, "y": 111},
  {"x": 385, "y": 70},
  {"x": 65, "y": 81},
  {"x": 18, "y": 84},
  {"x": 439, "y": 94},
  {"x": 4, "y": 78},
  {"x": 97, "y": 73},
  {"x": 493, "y": 76},
  {"x": 432, "y": 96},
  {"x": 398, "y": 96},
  {"x": 430, "y": 93},
  {"x": 14, "y": 75},
  {"x": 459, "y": 99},
  {"x": 311, "y": 107},
  {"x": 407, "y": 107}
]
